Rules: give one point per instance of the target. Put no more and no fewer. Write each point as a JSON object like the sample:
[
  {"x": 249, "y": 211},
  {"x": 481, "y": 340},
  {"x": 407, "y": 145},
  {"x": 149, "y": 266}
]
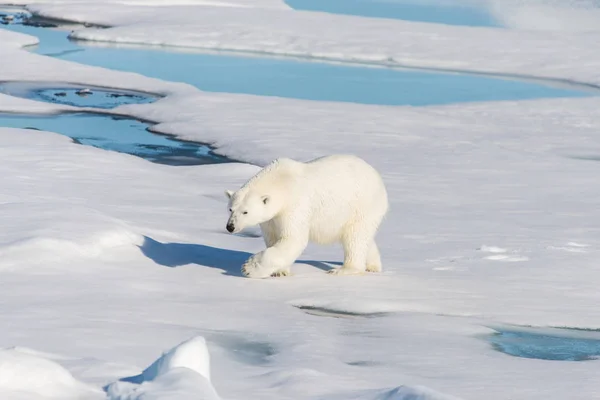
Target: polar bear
[{"x": 332, "y": 199}]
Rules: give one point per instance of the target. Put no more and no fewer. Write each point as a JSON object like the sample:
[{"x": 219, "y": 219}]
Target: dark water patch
[
  {"x": 332, "y": 313},
  {"x": 13, "y": 15},
  {"x": 18, "y": 15},
  {"x": 450, "y": 13},
  {"x": 75, "y": 95},
  {"x": 555, "y": 344},
  {"x": 363, "y": 363},
  {"x": 124, "y": 135},
  {"x": 585, "y": 157},
  {"x": 578, "y": 329},
  {"x": 589, "y": 153},
  {"x": 243, "y": 348},
  {"x": 27, "y": 19}
]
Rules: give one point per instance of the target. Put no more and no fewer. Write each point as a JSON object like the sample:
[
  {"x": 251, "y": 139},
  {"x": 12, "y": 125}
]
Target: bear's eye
[
  {"x": 245, "y": 212},
  {"x": 230, "y": 210}
]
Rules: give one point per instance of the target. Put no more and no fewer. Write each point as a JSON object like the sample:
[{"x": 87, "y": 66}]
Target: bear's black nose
[{"x": 230, "y": 227}]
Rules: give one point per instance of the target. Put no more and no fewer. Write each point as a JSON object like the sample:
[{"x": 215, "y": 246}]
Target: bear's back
[
  {"x": 344, "y": 173},
  {"x": 342, "y": 188}
]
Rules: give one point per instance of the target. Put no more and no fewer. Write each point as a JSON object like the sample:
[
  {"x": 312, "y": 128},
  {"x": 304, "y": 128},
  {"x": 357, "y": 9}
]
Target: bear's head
[{"x": 247, "y": 208}]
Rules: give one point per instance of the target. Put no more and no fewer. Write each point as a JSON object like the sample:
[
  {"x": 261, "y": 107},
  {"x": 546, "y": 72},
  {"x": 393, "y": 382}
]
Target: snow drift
[
  {"x": 181, "y": 373},
  {"x": 51, "y": 231},
  {"x": 24, "y": 375}
]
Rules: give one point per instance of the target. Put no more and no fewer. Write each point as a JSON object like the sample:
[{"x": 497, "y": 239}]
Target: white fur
[{"x": 333, "y": 199}]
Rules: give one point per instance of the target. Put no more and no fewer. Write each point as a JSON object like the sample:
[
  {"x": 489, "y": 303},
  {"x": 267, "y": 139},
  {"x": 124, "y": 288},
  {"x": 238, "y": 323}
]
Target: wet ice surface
[
  {"x": 452, "y": 13},
  {"x": 75, "y": 95},
  {"x": 312, "y": 80},
  {"x": 291, "y": 78},
  {"x": 228, "y": 73},
  {"x": 548, "y": 344},
  {"x": 124, "y": 135},
  {"x": 108, "y": 132}
]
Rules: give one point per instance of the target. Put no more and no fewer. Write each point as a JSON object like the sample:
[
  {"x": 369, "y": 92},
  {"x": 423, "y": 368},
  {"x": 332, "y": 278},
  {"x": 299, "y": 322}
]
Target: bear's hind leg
[
  {"x": 355, "y": 244},
  {"x": 373, "y": 258}
]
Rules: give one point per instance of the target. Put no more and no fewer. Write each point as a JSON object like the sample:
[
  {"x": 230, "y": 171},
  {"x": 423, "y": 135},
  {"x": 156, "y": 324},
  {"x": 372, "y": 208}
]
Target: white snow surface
[
  {"x": 191, "y": 354},
  {"x": 547, "y": 15},
  {"x": 25, "y": 375},
  {"x": 107, "y": 259}
]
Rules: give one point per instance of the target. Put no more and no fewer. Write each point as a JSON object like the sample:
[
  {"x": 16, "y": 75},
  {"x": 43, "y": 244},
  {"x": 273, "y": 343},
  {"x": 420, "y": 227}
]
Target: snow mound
[
  {"x": 24, "y": 375},
  {"x": 181, "y": 373},
  {"x": 192, "y": 354},
  {"x": 43, "y": 232}
]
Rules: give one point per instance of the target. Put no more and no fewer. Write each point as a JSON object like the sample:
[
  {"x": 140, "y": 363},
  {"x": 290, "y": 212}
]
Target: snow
[
  {"x": 59, "y": 236},
  {"x": 191, "y": 354},
  {"x": 16, "y": 40},
  {"x": 107, "y": 259},
  {"x": 176, "y": 384},
  {"x": 182, "y": 373},
  {"x": 548, "y": 15},
  {"x": 24, "y": 375}
]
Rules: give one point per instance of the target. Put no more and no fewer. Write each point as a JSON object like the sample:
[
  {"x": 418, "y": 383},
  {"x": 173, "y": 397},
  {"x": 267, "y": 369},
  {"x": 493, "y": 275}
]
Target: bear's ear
[
  {"x": 228, "y": 193},
  {"x": 265, "y": 199}
]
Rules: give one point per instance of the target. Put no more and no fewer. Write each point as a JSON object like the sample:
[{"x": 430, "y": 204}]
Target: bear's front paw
[
  {"x": 281, "y": 273},
  {"x": 253, "y": 269}
]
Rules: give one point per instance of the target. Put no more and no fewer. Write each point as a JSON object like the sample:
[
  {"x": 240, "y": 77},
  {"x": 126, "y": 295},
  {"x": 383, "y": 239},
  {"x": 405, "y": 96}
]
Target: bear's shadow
[{"x": 230, "y": 261}]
